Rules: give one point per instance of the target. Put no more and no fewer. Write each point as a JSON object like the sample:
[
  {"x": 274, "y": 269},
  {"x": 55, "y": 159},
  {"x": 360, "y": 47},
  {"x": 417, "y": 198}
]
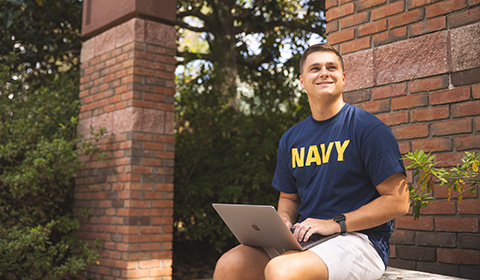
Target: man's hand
[{"x": 305, "y": 229}]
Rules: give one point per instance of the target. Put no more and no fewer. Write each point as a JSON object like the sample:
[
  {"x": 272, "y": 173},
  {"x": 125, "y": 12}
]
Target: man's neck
[{"x": 326, "y": 110}]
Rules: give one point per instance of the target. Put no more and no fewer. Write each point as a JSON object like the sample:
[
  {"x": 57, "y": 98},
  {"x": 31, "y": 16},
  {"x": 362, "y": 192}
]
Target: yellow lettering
[
  {"x": 326, "y": 156},
  {"x": 297, "y": 159},
  {"x": 313, "y": 156},
  {"x": 341, "y": 148}
]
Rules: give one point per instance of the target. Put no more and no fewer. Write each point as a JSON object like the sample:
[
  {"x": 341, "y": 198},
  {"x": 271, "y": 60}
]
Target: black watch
[{"x": 340, "y": 219}]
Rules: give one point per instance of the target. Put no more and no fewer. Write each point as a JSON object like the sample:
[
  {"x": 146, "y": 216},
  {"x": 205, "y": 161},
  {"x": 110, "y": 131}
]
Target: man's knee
[
  {"x": 239, "y": 262},
  {"x": 296, "y": 266}
]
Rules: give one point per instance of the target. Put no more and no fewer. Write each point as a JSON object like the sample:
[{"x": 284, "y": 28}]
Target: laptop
[{"x": 262, "y": 226}]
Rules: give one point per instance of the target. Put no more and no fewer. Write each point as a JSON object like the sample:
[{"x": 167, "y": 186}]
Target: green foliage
[
  {"x": 38, "y": 144},
  {"x": 233, "y": 104},
  {"x": 461, "y": 178},
  {"x": 38, "y": 164}
]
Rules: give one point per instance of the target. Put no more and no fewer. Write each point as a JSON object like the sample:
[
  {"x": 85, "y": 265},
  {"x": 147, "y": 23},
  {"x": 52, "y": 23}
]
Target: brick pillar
[
  {"x": 127, "y": 86},
  {"x": 416, "y": 65}
]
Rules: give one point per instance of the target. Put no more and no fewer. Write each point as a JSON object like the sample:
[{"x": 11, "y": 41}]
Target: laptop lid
[{"x": 257, "y": 225}]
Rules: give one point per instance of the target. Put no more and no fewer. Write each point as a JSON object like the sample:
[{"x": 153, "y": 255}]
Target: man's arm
[
  {"x": 394, "y": 201},
  {"x": 288, "y": 204}
]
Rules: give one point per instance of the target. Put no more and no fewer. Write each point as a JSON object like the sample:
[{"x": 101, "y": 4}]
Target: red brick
[
  {"x": 469, "y": 206},
  {"x": 416, "y": 253},
  {"x": 405, "y": 18},
  {"x": 330, "y": 4},
  {"x": 456, "y": 224},
  {"x": 387, "y": 10},
  {"x": 428, "y": 26},
  {"x": 137, "y": 273},
  {"x": 395, "y": 118},
  {"x": 355, "y": 45},
  {"x": 444, "y": 7},
  {"x": 341, "y": 36},
  {"x": 405, "y": 237},
  {"x": 407, "y": 222},
  {"x": 471, "y": 108},
  {"x": 448, "y": 159},
  {"x": 410, "y": 101},
  {"x": 451, "y": 127},
  {"x": 165, "y": 271},
  {"x": 417, "y": 3},
  {"x": 390, "y": 36},
  {"x": 372, "y": 27},
  {"x": 128, "y": 212},
  {"x": 389, "y": 91},
  {"x": 432, "y": 144},
  {"x": 339, "y": 12},
  {"x": 331, "y": 26},
  {"x": 459, "y": 256},
  {"x": 467, "y": 142},
  {"x": 428, "y": 84},
  {"x": 476, "y": 91},
  {"x": 367, "y": 4},
  {"x": 439, "y": 208},
  {"x": 380, "y": 106},
  {"x": 430, "y": 114},
  {"x": 471, "y": 15},
  {"x": 436, "y": 239},
  {"x": 354, "y": 19},
  {"x": 450, "y": 96},
  {"x": 410, "y": 131},
  {"x": 149, "y": 264}
]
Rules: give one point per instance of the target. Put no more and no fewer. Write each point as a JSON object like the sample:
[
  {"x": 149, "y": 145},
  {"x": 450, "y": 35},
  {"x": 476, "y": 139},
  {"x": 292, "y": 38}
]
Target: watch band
[{"x": 340, "y": 219}]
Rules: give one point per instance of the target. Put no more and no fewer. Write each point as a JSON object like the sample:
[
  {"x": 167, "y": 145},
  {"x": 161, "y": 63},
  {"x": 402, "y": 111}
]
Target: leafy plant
[{"x": 462, "y": 178}]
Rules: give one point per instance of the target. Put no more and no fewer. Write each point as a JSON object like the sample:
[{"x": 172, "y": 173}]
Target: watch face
[{"x": 339, "y": 217}]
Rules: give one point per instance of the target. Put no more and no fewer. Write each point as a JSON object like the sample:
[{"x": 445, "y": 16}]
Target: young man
[{"x": 339, "y": 170}]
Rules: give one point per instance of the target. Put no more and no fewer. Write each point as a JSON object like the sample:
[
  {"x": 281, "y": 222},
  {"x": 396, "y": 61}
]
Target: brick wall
[
  {"x": 416, "y": 65},
  {"x": 127, "y": 86}
]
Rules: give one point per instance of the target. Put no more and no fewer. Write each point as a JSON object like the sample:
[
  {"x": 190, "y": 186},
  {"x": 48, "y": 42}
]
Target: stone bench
[
  {"x": 405, "y": 274},
  {"x": 397, "y": 273}
]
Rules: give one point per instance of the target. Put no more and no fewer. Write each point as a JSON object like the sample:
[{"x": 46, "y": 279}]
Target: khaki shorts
[{"x": 350, "y": 256}]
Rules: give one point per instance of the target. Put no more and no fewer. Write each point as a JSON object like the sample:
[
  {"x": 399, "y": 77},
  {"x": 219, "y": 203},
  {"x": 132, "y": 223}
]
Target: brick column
[
  {"x": 416, "y": 65},
  {"x": 127, "y": 86}
]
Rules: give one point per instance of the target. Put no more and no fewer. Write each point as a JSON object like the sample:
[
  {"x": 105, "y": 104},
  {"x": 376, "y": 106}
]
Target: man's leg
[
  {"x": 296, "y": 265},
  {"x": 241, "y": 262}
]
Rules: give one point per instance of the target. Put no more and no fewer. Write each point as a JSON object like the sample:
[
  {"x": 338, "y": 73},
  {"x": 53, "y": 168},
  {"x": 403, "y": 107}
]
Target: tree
[
  {"x": 234, "y": 101},
  {"x": 228, "y": 26}
]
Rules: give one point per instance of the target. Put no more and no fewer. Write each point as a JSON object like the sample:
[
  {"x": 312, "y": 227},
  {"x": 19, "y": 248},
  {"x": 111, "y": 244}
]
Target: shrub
[{"x": 38, "y": 164}]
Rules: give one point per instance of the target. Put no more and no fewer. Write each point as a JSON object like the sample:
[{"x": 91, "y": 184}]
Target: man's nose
[{"x": 323, "y": 72}]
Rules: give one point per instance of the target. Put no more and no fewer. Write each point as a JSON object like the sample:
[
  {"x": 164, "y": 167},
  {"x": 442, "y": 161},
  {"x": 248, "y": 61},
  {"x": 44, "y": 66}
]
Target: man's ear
[{"x": 300, "y": 78}]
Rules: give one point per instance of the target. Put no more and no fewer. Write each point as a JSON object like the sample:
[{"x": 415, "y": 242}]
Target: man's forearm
[
  {"x": 393, "y": 202},
  {"x": 288, "y": 207}
]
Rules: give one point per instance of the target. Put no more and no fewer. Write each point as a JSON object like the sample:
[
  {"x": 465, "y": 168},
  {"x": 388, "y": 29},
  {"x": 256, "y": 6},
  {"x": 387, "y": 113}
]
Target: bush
[{"x": 38, "y": 164}]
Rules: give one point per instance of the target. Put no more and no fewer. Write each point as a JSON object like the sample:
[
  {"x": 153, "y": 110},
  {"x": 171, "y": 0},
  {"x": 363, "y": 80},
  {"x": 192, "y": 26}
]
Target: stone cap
[{"x": 101, "y": 15}]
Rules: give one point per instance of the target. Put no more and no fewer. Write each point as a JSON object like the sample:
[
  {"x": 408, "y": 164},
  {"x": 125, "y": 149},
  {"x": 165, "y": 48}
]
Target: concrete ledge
[
  {"x": 405, "y": 274},
  {"x": 397, "y": 273}
]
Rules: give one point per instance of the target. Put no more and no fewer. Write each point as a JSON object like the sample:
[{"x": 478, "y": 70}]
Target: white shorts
[{"x": 350, "y": 256}]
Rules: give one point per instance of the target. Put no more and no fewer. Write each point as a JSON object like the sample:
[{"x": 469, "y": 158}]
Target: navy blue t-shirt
[{"x": 334, "y": 165}]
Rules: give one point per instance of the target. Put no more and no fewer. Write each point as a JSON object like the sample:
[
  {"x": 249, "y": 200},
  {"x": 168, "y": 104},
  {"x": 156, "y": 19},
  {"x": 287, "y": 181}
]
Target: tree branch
[{"x": 189, "y": 27}]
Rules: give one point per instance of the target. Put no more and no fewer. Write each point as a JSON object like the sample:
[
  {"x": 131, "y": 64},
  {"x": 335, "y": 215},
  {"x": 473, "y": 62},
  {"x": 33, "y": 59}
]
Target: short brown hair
[{"x": 319, "y": 48}]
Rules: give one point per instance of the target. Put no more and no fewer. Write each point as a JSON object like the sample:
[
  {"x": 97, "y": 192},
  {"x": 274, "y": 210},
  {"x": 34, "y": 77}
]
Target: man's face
[{"x": 322, "y": 75}]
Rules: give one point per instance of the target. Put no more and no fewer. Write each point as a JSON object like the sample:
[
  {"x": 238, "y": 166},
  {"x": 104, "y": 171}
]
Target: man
[{"x": 339, "y": 170}]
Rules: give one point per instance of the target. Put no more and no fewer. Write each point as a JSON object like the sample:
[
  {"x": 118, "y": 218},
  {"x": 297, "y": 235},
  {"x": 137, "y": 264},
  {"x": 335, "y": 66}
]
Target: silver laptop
[{"x": 262, "y": 226}]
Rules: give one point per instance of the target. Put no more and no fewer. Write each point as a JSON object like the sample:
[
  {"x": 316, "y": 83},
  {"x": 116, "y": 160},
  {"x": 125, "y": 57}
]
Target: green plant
[
  {"x": 462, "y": 178},
  {"x": 39, "y": 160}
]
